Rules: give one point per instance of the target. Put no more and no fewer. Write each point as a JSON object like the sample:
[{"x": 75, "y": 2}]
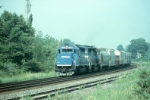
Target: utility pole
[{"x": 27, "y": 9}]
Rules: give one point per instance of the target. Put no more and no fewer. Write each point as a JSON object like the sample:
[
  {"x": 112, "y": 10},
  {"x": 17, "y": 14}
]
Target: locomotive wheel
[
  {"x": 83, "y": 70},
  {"x": 106, "y": 67},
  {"x": 101, "y": 68},
  {"x": 95, "y": 69},
  {"x": 76, "y": 71}
]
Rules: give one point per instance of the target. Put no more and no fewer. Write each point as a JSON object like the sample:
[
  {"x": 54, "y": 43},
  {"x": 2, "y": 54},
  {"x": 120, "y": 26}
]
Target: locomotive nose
[
  {"x": 65, "y": 64},
  {"x": 65, "y": 60}
]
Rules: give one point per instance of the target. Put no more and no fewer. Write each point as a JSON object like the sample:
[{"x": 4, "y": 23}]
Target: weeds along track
[
  {"x": 68, "y": 89},
  {"x": 18, "y": 86}
]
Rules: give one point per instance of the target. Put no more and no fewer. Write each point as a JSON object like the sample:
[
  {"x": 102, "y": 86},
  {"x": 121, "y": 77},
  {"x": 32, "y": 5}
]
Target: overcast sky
[{"x": 103, "y": 23}]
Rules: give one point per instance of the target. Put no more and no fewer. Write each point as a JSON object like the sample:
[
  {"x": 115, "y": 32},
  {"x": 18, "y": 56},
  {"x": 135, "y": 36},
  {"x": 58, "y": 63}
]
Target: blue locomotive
[
  {"x": 79, "y": 59},
  {"x": 76, "y": 59}
]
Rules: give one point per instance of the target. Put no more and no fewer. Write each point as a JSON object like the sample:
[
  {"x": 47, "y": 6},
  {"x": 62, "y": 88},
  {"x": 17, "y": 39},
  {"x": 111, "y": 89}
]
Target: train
[{"x": 77, "y": 59}]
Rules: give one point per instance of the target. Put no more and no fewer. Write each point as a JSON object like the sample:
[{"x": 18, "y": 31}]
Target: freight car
[
  {"x": 79, "y": 59},
  {"x": 106, "y": 58}
]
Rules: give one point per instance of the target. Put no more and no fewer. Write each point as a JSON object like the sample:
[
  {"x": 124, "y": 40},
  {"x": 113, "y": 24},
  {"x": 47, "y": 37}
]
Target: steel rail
[{"x": 69, "y": 89}]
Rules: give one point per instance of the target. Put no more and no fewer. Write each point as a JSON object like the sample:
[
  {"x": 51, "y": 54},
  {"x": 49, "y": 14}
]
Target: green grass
[
  {"x": 122, "y": 89},
  {"x": 26, "y": 76},
  {"x": 115, "y": 92}
]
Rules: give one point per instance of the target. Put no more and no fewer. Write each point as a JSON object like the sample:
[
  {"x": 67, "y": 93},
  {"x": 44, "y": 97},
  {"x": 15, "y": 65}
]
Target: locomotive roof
[
  {"x": 67, "y": 45},
  {"x": 84, "y": 46},
  {"x": 75, "y": 46},
  {"x": 105, "y": 49}
]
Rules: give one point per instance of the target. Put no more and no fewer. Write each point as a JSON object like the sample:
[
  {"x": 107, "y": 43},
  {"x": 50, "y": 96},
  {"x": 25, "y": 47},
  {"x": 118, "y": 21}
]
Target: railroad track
[
  {"x": 52, "y": 93},
  {"x": 18, "y": 86}
]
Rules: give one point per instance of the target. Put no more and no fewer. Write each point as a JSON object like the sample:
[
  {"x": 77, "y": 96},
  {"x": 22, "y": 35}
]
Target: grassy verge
[
  {"x": 119, "y": 91},
  {"x": 122, "y": 89},
  {"x": 26, "y": 76}
]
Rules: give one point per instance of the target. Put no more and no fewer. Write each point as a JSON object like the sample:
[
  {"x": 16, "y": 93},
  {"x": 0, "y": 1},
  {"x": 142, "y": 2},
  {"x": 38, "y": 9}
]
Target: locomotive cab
[{"x": 66, "y": 60}]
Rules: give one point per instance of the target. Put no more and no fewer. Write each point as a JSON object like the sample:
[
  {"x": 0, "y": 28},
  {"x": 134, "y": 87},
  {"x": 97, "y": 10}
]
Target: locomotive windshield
[{"x": 66, "y": 50}]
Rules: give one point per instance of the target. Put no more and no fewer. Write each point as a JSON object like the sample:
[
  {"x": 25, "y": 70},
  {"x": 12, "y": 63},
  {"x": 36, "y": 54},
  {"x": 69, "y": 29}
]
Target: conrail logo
[{"x": 65, "y": 56}]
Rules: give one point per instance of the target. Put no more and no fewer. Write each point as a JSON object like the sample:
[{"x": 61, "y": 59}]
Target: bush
[
  {"x": 10, "y": 69},
  {"x": 143, "y": 89},
  {"x": 34, "y": 66},
  {"x": 143, "y": 59}
]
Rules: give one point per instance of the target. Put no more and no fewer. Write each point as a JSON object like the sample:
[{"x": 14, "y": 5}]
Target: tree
[
  {"x": 148, "y": 51},
  {"x": 138, "y": 46},
  {"x": 44, "y": 49},
  {"x": 16, "y": 39},
  {"x": 120, "y": 47}
]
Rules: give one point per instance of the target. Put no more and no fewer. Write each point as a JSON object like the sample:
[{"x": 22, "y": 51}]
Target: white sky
[{"x": 103, "y": 23}]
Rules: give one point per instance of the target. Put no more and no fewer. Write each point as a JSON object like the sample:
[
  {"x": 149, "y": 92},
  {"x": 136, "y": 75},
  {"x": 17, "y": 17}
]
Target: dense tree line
[
  {"x": 23, "y": 51},
  {"x": 15, "y": 42},
  {"x": 137, "y": 47},
  {"x": 44, "y": 53}
]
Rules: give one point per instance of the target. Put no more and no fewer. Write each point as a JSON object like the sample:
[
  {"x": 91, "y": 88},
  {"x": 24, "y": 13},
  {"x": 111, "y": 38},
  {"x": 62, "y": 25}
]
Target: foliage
[
  {"x": 45, "y": 51},
  {"x": 33, "y": 66},
  {"x": 138, "y": 46},
  {"x": 10, "y": 69},
  {"x": 143, "y": 90},
  {"x": 120, "y": 47},
  {"x": 22, "y": 51},
  {"x": 15, "y": 42},
  {"x": 143, "y": 59},
  {"x": 148, "y": 51}
]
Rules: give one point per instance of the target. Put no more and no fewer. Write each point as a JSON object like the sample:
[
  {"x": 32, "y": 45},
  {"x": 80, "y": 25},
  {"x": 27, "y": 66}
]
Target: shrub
[
  {"x": 10, "y": 69},
  {"x": 143, "y": 89},
  {"x": 143, "y": 59},
  {"x": 34, "y": 66}
]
